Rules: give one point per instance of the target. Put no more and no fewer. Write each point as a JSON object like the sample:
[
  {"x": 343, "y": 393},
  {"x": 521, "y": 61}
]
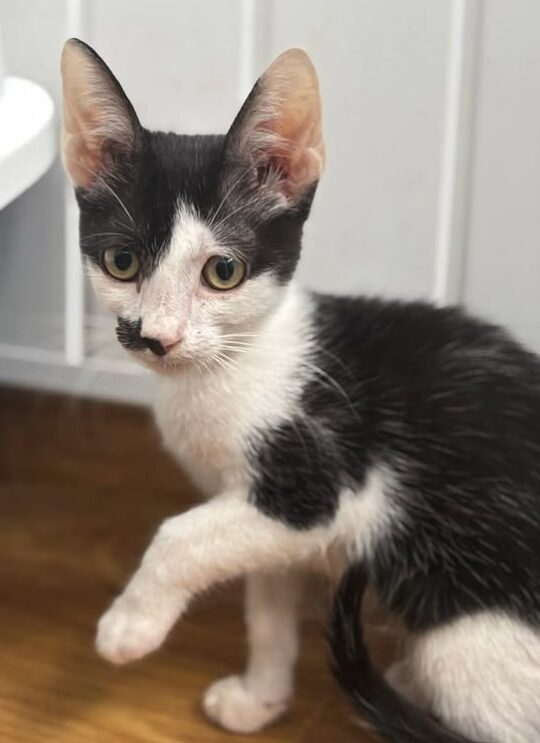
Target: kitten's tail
[{"x": 391, "y": 716}]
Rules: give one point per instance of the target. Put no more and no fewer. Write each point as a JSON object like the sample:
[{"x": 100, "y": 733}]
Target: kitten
[{"x": 399, "y": 439}]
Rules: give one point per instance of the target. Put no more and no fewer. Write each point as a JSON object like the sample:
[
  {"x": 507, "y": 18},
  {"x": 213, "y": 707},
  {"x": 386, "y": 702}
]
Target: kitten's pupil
[
  {"x": 121, "y": 263},
  {"x": 123, "y": 260},
  {"x": 225, "y": 269}
]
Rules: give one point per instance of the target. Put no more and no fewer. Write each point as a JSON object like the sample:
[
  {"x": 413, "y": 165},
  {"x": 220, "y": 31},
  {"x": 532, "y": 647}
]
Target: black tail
[{"x": 391, "y": 716}]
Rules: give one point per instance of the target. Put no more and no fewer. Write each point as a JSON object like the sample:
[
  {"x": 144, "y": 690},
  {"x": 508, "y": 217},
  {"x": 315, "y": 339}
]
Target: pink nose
[{"x": 161, "y": 345}]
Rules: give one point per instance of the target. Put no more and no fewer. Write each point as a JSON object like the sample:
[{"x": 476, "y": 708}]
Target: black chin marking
[{"x": 128, "y": 333}]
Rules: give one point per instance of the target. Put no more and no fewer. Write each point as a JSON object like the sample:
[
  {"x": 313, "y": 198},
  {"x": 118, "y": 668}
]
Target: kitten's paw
[
  {"x": 127, "y": 633},
  {"x": 232, "y": 706}
]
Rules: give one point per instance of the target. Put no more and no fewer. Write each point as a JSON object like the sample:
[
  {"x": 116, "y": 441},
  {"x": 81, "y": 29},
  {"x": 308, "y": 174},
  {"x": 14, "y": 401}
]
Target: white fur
[
  {"x": 175, "y": 304},
  {"x": 245, "y": 704},
  {"x": 119, "y": 297},
  {"x": 248, "y": 703},
  {"x": 480, "y": 674},
  {"x": 217, "y": 541},
  {"x": 206, "y": 416},
  {"x": 365, "y": 517},
  {"x": 221, "y": 540}
]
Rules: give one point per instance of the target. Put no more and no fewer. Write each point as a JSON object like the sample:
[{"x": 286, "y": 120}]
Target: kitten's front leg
[
  {"x": 222, "y": 539},
  {"x": 247, "y": 703},
  {"x": 139, "y": 619}
]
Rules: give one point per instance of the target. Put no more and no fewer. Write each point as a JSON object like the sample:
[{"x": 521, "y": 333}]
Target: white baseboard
[{"x": 48, "y": 370}]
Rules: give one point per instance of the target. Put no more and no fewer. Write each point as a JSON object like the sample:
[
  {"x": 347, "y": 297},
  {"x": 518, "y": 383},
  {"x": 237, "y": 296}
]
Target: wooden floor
[{"x": 82, "y": 487}]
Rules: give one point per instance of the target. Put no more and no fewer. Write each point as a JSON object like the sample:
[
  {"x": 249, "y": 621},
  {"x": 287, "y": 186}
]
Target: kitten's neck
[
  {"x": 288, "y": 328},
  {"x": 207, "y": 419}
]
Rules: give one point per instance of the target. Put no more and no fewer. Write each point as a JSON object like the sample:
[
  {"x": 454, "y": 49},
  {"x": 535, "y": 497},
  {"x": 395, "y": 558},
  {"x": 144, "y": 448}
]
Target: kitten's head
[{"x": 191, "y": 240}]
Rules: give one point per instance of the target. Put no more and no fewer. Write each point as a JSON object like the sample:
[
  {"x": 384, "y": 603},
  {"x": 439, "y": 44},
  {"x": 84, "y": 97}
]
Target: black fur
[
  {"x": 297, "y": 474},
  {"x": 451, "y": 407}
]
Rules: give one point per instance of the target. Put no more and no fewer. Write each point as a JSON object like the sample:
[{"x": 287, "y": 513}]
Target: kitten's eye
[
  {"x": 221, "y": 272},
  {"x": 121, "y": 263}
]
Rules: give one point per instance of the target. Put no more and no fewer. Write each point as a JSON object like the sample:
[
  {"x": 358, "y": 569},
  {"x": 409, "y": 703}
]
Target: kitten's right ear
[
  {"x": 99, "y": 121},
  {"x": 278, "y": 132}
]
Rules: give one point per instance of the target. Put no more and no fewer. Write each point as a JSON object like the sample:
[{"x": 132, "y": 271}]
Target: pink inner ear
[
  {"x": 291, "y": 153},
  {"x": 96, "y": 116},
  {"x": 84, "y": 161},
  {"x": 286, "y": 123}
]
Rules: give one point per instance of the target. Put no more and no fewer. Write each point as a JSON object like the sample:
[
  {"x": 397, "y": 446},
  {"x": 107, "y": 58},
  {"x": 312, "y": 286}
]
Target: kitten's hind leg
[
  {"x": 480, "y": 676},
  {"x": 247, "y": 703}
]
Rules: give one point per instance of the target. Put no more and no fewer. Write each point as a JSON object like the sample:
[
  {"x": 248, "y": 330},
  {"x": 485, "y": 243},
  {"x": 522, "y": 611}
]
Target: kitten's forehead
[
  {"x": 139, "y": 205},
  {"x": 177, "y": 193},
  {"x": 179, "y": 182},
  {"x": 191, "y": 237}
]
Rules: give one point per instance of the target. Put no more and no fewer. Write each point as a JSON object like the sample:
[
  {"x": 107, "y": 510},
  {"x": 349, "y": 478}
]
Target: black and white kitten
[{"x": 398, "y": 440}]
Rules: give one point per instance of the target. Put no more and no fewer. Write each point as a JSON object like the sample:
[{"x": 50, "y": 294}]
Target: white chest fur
[{"x": 208, "y": 419}]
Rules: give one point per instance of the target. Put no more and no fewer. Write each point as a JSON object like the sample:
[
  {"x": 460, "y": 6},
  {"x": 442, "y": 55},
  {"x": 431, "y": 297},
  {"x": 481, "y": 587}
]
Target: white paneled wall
[
  {"x": 383, "y": 74},
  {"x": 433, "y": 130},
  {"x": 503, "y": 266},
  {"x": 31, "y": 228}
]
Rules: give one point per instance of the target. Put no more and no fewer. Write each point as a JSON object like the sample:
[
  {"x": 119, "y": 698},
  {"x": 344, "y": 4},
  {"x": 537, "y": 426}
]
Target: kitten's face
[{"x": 190, "y": 241}]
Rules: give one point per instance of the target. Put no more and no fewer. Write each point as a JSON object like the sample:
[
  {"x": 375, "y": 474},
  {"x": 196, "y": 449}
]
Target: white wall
[
  {"x": 31, "y": 229},
  {"x": 383, "y": 68},
  {"x": 432, "y": 122},
  {"x": 503, "y": 266}
]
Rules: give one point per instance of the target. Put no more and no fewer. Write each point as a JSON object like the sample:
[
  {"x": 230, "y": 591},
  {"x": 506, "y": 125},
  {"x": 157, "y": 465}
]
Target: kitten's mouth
[
  {"x": 163, "y": 364},
  {"x": 168, "y": 365}
]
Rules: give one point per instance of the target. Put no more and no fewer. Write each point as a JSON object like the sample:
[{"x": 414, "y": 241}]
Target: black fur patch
[
  {"x": 451, "y": 407},
  {"x": 135, "y": 205},
  {"x": 128, "y": 333},
  {"x": 297, "y": 478}
]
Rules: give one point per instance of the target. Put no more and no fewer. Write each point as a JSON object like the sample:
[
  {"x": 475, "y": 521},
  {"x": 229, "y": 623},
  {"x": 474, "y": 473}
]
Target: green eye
[
  {"x": 221, "y": 272},
  {"x": 121, "y": 263}
]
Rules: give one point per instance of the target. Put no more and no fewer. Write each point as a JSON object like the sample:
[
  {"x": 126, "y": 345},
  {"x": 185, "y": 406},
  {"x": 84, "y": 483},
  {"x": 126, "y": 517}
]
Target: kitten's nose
[{"x": 161, "y": 345}]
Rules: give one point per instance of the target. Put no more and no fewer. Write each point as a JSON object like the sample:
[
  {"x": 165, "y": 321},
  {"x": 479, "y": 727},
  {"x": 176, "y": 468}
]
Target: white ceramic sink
[{"x": 27, "y": 134}]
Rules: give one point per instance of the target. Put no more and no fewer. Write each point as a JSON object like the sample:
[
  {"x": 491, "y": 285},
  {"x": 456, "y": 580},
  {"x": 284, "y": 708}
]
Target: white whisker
[
  {"x": 119, "y": 200},
  {"x": 104, "y": 183},
  {"x": 229, "y": 191},
  {"x": 105, "y": 234},
  {"x": 242, "y": 208}
]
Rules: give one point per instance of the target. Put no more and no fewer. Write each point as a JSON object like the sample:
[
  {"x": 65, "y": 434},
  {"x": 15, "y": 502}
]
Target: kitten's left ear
[
  {"x": 99, "y": 121},
  {"x": 278, "y": 132}
]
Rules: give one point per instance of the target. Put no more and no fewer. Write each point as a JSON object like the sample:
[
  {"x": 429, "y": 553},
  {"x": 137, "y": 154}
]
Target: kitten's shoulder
[{"x": 383, "y": 320}]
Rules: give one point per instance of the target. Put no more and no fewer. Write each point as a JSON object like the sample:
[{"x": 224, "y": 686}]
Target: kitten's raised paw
[
  {"x": 126, "y": 633},
  {"x": 232, "y": 706}
]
